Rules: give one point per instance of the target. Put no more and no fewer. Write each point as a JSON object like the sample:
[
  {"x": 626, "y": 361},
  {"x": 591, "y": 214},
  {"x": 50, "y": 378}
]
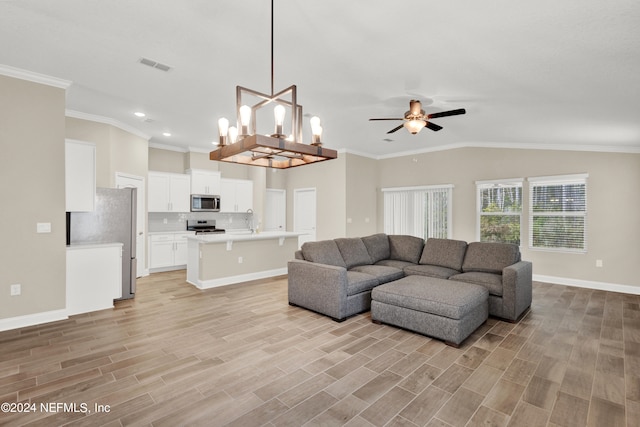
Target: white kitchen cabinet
[
  {"x": 80, "y": 176},
  {"x": 168, "y": 250},
  {"x": 204, "y": 182},
  {"x": 169, "y": 192},
  {"x": 236, "y": 195}
]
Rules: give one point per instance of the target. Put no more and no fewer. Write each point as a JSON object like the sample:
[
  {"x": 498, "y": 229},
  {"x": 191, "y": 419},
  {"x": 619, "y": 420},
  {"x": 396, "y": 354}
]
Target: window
[
  {"x": 499, "y": 205},
  {"x": 418, "y": 211},
  {"x": 558, "y": 213}
]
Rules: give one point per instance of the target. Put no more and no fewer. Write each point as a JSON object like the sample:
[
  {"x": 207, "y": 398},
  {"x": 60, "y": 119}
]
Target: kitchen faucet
[{"x": 249, "y": 220}]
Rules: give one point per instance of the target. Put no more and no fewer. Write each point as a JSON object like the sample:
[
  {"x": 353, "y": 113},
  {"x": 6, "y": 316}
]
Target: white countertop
[
  {"x": 239, "y": 236},
  {"x": 76, "y": 246},
  {"x": 150, "y": 233}
]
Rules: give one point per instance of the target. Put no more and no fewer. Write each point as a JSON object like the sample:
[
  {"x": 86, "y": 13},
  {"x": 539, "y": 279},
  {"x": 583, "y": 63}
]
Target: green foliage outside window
[{"x": 500, "y": 214}]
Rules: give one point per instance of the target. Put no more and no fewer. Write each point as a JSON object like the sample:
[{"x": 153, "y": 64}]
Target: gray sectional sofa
[{"x": 336, "y": 277}]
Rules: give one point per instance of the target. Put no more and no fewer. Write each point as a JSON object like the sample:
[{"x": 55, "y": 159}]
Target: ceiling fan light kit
[
  {"x": 276, "y": 150},
  {"x": 415, "y": 119}
]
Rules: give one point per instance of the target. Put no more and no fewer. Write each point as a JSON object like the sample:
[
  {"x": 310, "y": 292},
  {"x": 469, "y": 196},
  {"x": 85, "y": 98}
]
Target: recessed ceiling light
[
  {"x": 166, "y": 133},
  {"x": 139, "y": 114}
]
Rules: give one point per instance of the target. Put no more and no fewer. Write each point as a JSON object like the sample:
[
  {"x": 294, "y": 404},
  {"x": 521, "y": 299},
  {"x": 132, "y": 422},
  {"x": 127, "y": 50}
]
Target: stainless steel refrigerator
[{"x": 112, "y": 221}]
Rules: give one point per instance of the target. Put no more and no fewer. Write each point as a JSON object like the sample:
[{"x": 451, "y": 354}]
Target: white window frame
[
  {"x": 551, "y": 181},
  {"x": 408, "y": 222},
  {"x": 481, "y": 185}
]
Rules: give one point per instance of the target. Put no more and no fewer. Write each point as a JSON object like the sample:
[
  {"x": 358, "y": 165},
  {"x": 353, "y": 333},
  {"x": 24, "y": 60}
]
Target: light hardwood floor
[{"x": 241, "y": 356}]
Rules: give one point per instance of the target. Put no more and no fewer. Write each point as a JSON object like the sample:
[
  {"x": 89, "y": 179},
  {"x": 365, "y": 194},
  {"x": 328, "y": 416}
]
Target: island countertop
[
  {"x": 238, "y": 256},
  {"x": 242, "y": 236}
]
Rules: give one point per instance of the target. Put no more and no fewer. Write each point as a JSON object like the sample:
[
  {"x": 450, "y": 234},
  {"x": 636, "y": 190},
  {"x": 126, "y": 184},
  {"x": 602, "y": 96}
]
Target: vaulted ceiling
[{"x": 547, "y": 74}]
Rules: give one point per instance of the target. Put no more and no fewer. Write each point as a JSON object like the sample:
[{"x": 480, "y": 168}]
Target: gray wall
[
  {"x": 613, "y": 201},
  {"x": 32, "y": 134}
]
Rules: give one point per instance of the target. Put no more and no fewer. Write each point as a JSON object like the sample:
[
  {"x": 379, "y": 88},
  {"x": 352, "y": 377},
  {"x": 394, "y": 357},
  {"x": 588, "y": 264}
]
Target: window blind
[
  {"x": 558, "y": 213},
  {"x": 418, "y": 211}
]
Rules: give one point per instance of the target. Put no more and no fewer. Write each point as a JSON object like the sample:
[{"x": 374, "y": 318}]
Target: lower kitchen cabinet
[{"x": 168, "y": 251}]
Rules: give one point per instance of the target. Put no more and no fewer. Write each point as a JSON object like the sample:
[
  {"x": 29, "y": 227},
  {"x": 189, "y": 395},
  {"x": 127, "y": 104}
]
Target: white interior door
[
  {"x": 275, "y": 210},
  {"x": 304, "y": 214},
  {"x": 128, "y": 181}
]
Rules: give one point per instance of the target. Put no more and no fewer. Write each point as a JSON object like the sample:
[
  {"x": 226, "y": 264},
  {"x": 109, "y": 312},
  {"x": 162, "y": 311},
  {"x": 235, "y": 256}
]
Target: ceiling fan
[{"x": 415, "y": 119}]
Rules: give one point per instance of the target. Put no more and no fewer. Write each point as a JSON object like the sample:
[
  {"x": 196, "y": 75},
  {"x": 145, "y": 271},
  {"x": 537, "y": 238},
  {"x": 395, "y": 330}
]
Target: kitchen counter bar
[{"x": 224, "y": 259}]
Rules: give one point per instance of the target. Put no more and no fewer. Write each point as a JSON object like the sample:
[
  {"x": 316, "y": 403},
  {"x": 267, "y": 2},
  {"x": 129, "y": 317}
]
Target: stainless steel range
[{"x": 203, "y": 226}]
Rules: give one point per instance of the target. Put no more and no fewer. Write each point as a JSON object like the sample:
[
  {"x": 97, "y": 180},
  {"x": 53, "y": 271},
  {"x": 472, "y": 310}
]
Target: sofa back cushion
[
  {"x": 444, "y": 253},
  {"x": 353, "y": 251},
  {"x": 490, "y": 257},
  {"x": 377, "y": 246},
  {"x": 323, "y": 252},
  {"x": 405, "y": 248}
]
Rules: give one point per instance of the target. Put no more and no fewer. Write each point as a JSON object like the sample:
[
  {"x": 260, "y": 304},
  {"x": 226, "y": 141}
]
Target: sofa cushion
[
  {"x": 323, "y": 252},
  {"x": 360, "y": 282},
  {"x": 430, "y": 270},
  {"x": 491, "y": 281},
  {"x": 490, "y": 257},
  {"x": 395, "y": 263},
  {"x": 383, "y": 273},
  {"x": 353, "y": 251},
  {"x": 378, "y": 247},
  {"x": 405, "y": 248},
  {"x": 444, "y": 253}
]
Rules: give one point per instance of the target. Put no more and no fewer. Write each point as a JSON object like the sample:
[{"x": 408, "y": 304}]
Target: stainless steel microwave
[{"x": 205, "y": 203}]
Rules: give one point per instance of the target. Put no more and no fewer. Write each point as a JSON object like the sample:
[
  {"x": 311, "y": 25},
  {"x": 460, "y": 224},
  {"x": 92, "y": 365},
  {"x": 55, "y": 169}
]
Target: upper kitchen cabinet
[
  {"x": 169, "y": 192},
  {"x": 204, "y": 182},
  {"x": 80, "y": 176},
  {"x": 236, "y": 195}
]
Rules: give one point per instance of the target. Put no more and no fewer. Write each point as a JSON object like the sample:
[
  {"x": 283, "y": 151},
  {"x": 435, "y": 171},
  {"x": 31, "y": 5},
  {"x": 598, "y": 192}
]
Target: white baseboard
[
  {"x": 602, "y": 286},
  {"x": 214, "y": 283},
  {"x": 32, "y": 319}
]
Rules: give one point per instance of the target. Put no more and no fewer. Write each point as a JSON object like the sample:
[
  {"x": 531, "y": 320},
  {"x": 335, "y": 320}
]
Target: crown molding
[
  {"x": 9, "y": 71},
  {"x": 519, "y": 146},
  {"x": 168, "y": 147},
  {"x": 107, "y": 121}
]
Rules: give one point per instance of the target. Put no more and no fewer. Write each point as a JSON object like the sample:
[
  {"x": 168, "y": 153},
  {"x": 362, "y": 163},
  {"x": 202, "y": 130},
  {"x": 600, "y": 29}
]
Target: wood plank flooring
[{"x": 241, "y": 356}]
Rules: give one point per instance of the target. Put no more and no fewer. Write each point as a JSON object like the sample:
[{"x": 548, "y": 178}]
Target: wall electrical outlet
[
  {"x": 240, "y": 260},
  {"x": 598, "y": 263},
  {"x": 16, "y": 290}
]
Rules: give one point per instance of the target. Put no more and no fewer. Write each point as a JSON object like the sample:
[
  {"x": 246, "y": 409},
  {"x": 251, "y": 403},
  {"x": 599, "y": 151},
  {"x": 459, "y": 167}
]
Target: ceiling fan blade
[
  {"x": 386, "y": 119},
  {"x": 396, "y": 128},
  {"x": 433, "y": 126},
  {"x": 447, "y": 113}
]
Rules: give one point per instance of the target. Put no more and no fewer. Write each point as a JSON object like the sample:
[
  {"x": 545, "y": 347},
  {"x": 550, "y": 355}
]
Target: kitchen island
[{"x": 224, "y": 259}]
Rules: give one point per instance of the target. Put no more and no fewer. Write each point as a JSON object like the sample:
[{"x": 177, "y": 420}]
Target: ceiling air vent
[{"x": 154, "y": 64}]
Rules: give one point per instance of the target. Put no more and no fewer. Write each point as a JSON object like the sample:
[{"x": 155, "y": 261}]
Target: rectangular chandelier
[
  {"x": 271, "y": 152},
  {"x": 243, "y": 144}
]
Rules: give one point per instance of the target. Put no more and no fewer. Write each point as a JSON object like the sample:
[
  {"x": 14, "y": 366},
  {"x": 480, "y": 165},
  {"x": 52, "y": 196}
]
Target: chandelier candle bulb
[
  {"x": 233, "y": 135},
  {"x": 245, "y": 119},
  {"x": 316, "y": 130},
  {"x": 278, "y": 114},
  {"x": 223, "y": 129}
]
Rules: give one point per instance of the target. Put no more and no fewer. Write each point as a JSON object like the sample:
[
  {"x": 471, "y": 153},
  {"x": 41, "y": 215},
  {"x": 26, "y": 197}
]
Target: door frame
[
  {"x": 281, "y": 192},
  {"x": 296, "y": 214}
]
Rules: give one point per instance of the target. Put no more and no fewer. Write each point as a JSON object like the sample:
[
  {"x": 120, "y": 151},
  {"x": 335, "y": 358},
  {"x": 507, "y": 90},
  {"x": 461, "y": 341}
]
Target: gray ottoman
[{"x": 443, "y": 309}]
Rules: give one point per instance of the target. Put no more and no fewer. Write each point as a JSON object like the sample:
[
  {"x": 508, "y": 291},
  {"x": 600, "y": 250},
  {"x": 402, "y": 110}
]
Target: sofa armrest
[
  {"x": 516, "y": 289},
  {"x": 318, "y": 287}
]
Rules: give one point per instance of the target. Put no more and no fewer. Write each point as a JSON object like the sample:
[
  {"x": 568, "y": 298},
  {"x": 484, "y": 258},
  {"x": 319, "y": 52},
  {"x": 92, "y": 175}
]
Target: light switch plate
[{"x": 43, "y": 227}]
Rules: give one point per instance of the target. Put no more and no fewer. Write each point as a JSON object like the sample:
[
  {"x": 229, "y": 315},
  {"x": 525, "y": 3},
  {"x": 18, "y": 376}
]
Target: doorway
[
  {"x": 275, "y": 210},
  {"x": 304, "y": 214},
  {"x": 132, "y": 181}
]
